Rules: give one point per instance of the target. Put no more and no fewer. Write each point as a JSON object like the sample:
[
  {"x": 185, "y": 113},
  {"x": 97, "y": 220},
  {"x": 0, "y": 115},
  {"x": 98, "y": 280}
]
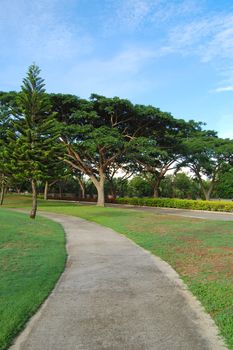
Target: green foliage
[
  {"x": 179, "y": 203},
  {"x": 162, "y": 149},
  {"x": 5, "y": 128},
  {"x": 167, "y": 186},
  {"x": 224, "y": 188},
  {"x": 139, "y": 187},
  {"x": 119, "y": 187},
  {"x": 33, "y": 140},
  {"x": 185, "y": 187},
  {"x": 207, "y": 155},
  {"x": 100, "y": 133}
]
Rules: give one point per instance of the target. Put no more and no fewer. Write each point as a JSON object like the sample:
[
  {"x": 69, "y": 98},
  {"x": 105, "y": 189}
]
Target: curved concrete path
[
  {"x": 199, "y": 214},
  {"x": 114, "y": 295}
]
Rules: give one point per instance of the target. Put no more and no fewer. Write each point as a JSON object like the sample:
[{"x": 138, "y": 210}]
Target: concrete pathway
[
  {"x": 114, "y": 295},
  {"x": 199, "y": 214}
]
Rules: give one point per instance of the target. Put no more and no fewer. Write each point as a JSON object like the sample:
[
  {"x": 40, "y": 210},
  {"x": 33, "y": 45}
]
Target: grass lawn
[
  {"x": 32, "y": 257},
  {"x": 200, "y": 251}
]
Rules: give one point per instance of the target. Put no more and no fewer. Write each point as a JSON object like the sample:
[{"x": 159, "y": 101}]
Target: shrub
[{"x": 178, "y": 203}]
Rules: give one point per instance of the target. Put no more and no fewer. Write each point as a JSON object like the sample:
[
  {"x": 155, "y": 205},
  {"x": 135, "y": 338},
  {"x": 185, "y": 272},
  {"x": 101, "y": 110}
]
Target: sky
[{"x": 176, "y": 55}]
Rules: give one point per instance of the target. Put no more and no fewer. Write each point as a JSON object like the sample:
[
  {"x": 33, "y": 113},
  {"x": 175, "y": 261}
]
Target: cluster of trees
[
  {"x": 46, "y": 137},
  {"x": 179, "y": 185}
]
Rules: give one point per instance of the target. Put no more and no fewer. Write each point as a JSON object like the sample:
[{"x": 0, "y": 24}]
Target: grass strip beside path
[{"x": 32, "y": 257}]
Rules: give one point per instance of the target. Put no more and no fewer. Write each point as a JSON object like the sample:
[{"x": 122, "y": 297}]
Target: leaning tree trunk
[
  {"x": 34, "y": 199},
  {"x": 82, "y": 187},
  {"x": 207, "y": 193},
  {"x": 46, "y": 189},
  {"x": 2, "y": 194}
]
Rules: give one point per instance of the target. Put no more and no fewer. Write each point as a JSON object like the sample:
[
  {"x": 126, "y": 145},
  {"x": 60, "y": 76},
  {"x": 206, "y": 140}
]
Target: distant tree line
[
  {"x": 179, "y": 185},
  {"x": 52, "y": 139}
]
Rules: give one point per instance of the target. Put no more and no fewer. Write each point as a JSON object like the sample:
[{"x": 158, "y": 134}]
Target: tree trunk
[
  {"x": 112, "y": 189},
  {"x": 100, "y": 190},
  {"x": 46, "y": 189},
  {"x": 2, "y": 194},
  {"x": 34, "y": 199},
  {"x": 208, "y": 193},
  {"x": 156, "y": 193},
  {"x": 82, "y": 187}
]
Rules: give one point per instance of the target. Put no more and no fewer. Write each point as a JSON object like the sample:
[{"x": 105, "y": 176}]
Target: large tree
[
  {"x": 34, "y": 140},
  {"x": 98, "y": 133},
  {"x": 161, "y": 151},
  {"x": 206, "y": 155}
]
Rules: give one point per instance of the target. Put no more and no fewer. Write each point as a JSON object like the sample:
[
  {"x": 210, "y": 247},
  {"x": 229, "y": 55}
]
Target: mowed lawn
[
  {"x": 201, "y": 251},
  {"x": 32, "y": 257}
]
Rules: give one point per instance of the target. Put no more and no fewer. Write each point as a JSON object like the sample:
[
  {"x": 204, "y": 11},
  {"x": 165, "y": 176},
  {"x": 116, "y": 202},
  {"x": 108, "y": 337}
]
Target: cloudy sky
[{"x": 174, "y": 54}]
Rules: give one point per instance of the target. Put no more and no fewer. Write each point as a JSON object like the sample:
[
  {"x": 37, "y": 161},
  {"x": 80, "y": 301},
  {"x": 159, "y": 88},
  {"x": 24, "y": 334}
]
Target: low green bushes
[{"x": 178, "y": 203}]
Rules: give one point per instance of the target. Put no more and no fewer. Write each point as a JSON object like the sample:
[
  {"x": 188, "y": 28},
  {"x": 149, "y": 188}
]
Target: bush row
[{"x": 178, "y": 203}]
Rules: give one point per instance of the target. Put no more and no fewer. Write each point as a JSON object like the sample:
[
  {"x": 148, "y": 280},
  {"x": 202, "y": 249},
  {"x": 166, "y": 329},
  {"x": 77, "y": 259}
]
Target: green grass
[
  {"x": 201, "y": 251},
  {"x": 32, "y": 257}
]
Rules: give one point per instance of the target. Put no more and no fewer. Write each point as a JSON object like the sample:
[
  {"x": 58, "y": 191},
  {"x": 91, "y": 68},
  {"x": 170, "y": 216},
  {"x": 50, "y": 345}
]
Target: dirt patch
[
  {"x": 197, "y": 259},
  {"x": 18, "y": 245}
]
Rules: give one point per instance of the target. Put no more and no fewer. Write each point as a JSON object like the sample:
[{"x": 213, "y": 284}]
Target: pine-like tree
[{"x": 34, "y": 141}]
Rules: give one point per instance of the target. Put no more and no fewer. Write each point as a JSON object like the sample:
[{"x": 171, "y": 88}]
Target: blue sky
[{"x": 176, "y": 55}]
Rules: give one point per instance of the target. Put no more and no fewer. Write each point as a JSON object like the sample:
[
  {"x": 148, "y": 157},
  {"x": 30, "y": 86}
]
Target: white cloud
[
  {"x": 169, "y": 11},
  {"x": 223, "y": 89},
  {"x": 208, "y": 37},
  {"x": 136, "y": 14},
  {"x": 129, "y": 14}
]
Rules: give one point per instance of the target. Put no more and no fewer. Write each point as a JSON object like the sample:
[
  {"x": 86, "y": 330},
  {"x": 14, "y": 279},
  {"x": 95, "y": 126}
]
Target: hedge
[{"x": 179, "y": 203}]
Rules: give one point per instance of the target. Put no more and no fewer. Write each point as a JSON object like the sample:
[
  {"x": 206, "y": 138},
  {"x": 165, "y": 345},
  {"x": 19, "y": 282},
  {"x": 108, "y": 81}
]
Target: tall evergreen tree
[
  {"x": 4, "y": 171},
  {"x": 34, "y": 141}
]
